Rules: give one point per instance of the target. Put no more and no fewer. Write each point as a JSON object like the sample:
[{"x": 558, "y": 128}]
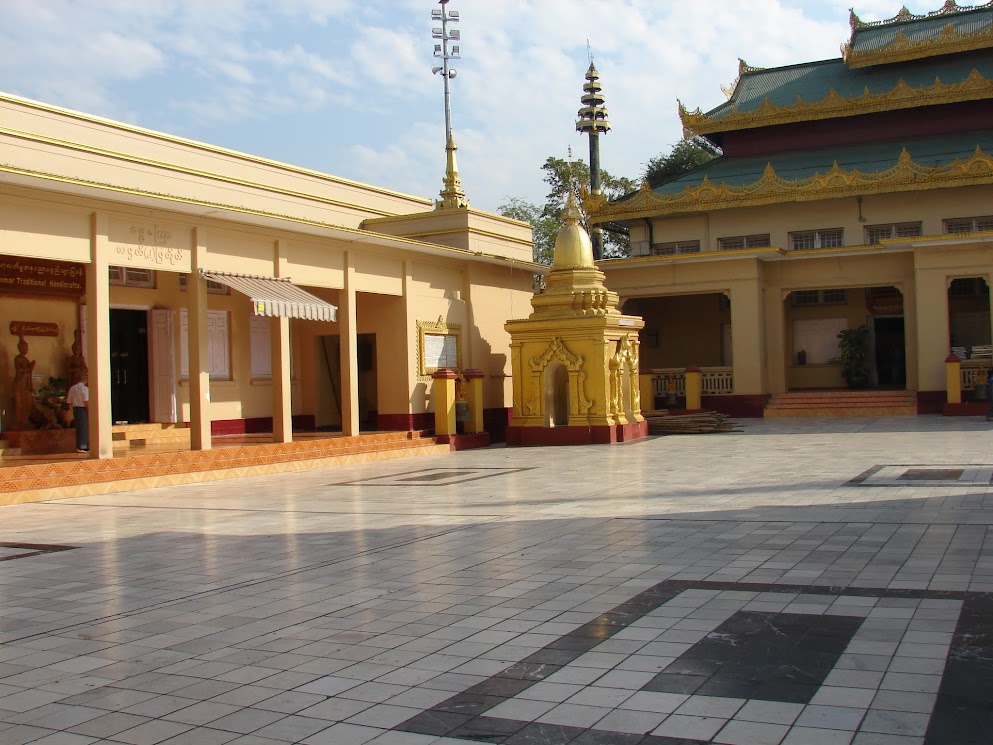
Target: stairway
[
  {"x": 141, "y": 436},
  {"x": 842, "y": 403},
  {"x": 7, "y": 450}
]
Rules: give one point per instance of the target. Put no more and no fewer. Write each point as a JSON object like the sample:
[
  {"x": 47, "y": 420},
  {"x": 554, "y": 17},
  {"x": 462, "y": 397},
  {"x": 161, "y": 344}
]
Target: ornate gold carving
[
  {"x": 443, "y": 328},
  {"x": 743, "y": 69},
  {"x": 579, "y": 404},
  {"x": 771, "y": 189},
  {"x": 901, "y": 49},
  {"x": 902, "y": 96},
  {"x": 949, "y": 7}
]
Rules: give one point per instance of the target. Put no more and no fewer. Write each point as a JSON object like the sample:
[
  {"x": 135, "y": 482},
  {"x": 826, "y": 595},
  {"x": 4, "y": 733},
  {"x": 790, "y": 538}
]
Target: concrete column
[
  {"x": 347, "y": 325},
  {"x": 474, "y": 396},
  {"x": 98, "y": 338},
  {"x": 282, "y": 408},
  {"x": 953, "y": 379},
  {"x": 749, "y": 332},
  {"x": 282, "y": 411},
  {"x": 931, "y": 303},
  {"x": 646, "y": 381},
  {"x": 774, "y": 358},
  {"x": 443, "y": 394},
  {"x": 199, "y": 357},
  {"x": 694, "y": 388}
]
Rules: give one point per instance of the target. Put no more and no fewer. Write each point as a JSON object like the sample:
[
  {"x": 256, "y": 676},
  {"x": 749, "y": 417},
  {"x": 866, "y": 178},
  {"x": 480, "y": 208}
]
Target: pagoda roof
[
  {"x": 911, "y": 164},
  {"x": 950, "y": 29},
  {"x": 830, "y": 89}
]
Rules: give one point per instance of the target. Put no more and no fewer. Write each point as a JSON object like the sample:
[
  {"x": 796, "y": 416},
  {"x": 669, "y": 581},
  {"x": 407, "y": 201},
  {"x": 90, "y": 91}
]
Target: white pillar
[
  {"x": 98, "y": 338},
  {"x": 347, "y": 323},
  {"x": 196, "y": 319}
]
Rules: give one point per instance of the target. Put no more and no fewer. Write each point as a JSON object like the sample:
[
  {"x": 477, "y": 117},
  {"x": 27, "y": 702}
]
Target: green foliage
[
  {"x": 684, "y": 156},
  {"x": 853, "y": 345},
  {"x": 544, "y": 228}
]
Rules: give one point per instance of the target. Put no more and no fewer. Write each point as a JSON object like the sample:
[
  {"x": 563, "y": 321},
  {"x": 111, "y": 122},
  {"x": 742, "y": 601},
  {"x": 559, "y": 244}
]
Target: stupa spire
[
  {"x": 592, "y": 121},
  {"x": 452, "y": 196}
]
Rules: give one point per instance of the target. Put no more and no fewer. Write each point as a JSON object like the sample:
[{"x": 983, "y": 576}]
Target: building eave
[{"x": 835, "y": 183}]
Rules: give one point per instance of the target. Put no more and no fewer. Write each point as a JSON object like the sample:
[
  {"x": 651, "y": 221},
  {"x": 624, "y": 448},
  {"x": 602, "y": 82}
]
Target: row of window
[
  {"x": 129, "y": 277},
  {"x": 219, "y": 346},
  {"x": 827, "y": 237}
]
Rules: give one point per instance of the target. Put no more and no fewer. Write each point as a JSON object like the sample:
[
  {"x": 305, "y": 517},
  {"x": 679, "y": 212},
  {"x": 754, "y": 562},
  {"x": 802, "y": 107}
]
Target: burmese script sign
[
  {"x": 440, "y": 350},
  {"x": 150, "y": 246},
  {"x": 33, "y": 328},
  {"x": 41, "y": 277}
]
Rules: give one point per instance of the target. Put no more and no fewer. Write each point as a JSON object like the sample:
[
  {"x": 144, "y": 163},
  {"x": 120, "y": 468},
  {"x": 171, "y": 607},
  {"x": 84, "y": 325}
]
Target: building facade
[
  {"x": 851, "y": 192},
  {"x": 236, "y": 294}
]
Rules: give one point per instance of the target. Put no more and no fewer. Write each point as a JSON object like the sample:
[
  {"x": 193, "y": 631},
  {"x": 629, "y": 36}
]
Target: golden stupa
[{"x": 575, "y": 358}]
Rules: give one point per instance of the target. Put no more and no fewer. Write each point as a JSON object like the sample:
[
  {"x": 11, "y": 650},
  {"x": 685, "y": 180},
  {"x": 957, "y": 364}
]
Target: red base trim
[
  {"x": 743, "y": 406},
  {"x": 596, "y": 435},
  {"x": 301, "y": 423},
  {"x": 966, "y": 408},
  {"x": 931, "y": 402},
  {"x": 465, "y": 442}
]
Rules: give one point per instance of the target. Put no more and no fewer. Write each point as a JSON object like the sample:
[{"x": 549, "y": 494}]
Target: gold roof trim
[
  {"x": 906, "y": 175},
  {"x": 902, "y": 96},
  {"x": 949, "y": 41},
  {"x": 949, "y": 7}
]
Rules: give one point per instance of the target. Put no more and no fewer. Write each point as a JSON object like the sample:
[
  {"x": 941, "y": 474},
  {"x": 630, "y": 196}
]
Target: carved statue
[
  {"x": 23, "y": 386},
  {"x": 77, "y": 363}
]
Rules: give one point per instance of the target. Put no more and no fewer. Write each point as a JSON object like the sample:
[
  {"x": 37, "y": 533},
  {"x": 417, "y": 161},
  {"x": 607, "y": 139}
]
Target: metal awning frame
[{"x": 276, "y": 296}]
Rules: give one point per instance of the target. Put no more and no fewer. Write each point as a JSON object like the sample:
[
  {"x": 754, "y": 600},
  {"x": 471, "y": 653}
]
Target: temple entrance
[
  {"x": 128, "y": 366},
  {"x": 329, "y": 382},
  {"x": 889, "y": 357}
]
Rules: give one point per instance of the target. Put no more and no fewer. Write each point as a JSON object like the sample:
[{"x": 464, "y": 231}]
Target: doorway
[
  {"x": 128, "y": 366},
  {"x": 890, "y": 356},
  {"x": 329, "y": 392}
]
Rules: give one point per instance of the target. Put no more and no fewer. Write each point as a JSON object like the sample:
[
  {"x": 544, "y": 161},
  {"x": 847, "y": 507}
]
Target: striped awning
[{"x": 275, "y": 296}]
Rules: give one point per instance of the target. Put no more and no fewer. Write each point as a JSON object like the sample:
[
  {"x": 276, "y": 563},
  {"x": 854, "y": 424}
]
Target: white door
[{"x": 163, "y": 366}]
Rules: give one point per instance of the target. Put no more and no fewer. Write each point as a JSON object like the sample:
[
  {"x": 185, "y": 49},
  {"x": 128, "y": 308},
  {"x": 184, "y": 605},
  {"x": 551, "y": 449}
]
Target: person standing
[{"x": 78, "y": 398}]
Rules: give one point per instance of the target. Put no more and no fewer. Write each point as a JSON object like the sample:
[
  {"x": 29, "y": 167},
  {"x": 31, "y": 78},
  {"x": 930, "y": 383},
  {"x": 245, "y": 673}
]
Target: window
[
  {"x": 968, "y": 224},
  {"x": 824, "y": 238},
  {"x": 803, "y": 298},
  {"x": 125, "y": 275},
  {"x": 968, "y": 287},
  {"x": 876, "y": 233},
  {"x": 743, "y": 241},
  {"x": 675, "y": 247},
  {"x": 213, "y": 287},
  {"x": 218, "y": 347},
  {"x": 261, "y": 342}
]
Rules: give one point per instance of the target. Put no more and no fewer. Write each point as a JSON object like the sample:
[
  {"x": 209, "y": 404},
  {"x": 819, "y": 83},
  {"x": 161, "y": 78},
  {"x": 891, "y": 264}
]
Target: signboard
[
  {"x": 440, "y": 350},
  {"x": 33, "y": 328},
  {"x": 41, "y": 277}
]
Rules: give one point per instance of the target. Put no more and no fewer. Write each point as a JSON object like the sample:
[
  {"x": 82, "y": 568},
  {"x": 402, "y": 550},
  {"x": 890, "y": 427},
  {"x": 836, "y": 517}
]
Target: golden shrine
[{"x": 575, "y": 358}]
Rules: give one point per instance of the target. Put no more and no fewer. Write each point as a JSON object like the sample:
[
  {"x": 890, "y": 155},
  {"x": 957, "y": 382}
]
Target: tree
[
  {"x": 684, "y": 156},
  {"x": 544, "y": 228},
  {"x": 546, "y": 219}
]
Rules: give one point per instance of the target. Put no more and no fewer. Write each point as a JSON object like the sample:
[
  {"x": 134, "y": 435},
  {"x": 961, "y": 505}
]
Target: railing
[
  {"x": 716, "y": 381},
  {"x": 974, "y": 372}
]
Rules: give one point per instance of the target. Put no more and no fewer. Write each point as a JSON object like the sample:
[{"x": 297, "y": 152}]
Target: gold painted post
[
  {"x": 953, "y": 378},
  {"x": 694, "y": 388},
  {"x": 474, "y": 395},
  {"x": 443, "y": 393},
  {"x": 646, "y": 383}
]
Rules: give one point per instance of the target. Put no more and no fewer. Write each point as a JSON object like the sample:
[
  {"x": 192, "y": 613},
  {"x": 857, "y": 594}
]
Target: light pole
[
  {"x": 452, "y": 195},
  {"x": 592, "y": 121}
]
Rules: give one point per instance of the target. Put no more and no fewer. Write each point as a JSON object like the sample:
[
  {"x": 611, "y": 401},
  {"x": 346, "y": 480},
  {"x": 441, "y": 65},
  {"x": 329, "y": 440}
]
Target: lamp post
[
  {"x": 592, "y": 121},
  {"x": 452, "y": 195}
]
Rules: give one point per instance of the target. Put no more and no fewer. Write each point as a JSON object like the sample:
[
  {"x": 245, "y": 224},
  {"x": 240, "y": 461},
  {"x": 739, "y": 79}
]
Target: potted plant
[{"x": 853, "y": 345}]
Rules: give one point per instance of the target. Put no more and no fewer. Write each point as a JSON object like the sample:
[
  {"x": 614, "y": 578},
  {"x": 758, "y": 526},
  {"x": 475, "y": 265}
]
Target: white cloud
[{"x": 346, "y": 85}]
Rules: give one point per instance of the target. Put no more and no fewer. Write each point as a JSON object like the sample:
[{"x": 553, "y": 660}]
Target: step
[
  {"x": 842, "y": 403},
  {"x": 774, "y": 413}
]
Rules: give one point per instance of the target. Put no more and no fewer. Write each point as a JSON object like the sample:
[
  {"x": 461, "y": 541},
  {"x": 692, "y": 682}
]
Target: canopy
[{"x": 275, "y": 296}]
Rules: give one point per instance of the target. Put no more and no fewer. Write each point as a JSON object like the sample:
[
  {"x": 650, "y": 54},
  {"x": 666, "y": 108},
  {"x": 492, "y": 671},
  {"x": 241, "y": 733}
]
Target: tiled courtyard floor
[{"x": 803, "y": 582}]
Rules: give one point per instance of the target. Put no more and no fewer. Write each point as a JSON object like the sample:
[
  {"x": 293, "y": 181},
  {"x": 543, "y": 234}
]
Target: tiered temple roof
[{"x": 847, "y": 126}]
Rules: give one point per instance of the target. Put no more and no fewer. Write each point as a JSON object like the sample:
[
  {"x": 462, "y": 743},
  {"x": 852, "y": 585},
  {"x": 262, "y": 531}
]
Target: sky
[{"x": 345, "y": 86}]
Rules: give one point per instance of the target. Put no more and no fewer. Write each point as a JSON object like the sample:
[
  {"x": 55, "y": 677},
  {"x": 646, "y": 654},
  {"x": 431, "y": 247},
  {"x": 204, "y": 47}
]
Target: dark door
[
  {"x": 129, "y": 366},
  {"x": 891, "y": 361}
]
